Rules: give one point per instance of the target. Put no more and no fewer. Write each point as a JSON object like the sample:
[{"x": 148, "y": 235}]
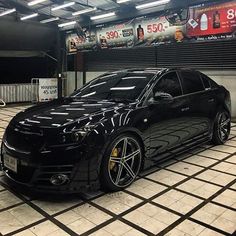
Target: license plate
[{"x": 10, "y": 162}]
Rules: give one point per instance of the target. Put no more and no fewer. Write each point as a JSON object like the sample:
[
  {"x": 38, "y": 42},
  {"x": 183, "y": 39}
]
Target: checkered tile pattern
[{"x": 191, "y": 194}]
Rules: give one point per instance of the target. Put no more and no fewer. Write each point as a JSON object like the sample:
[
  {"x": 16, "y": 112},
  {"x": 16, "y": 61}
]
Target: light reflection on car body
[{"x": 69, "y": 136}]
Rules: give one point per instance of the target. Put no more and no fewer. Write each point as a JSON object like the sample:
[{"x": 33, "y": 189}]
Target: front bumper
[{"x": 35, "y": 169}]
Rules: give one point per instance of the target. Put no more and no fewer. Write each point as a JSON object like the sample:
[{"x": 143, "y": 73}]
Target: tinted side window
[
  {"x": 169, "y": 83},
  {"x": 191, "y": 82},
  {"x": 206, "y": 81}
]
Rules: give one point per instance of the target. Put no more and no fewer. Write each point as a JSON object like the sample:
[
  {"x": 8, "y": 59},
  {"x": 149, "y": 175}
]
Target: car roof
[{"x": 153, "y": 70}]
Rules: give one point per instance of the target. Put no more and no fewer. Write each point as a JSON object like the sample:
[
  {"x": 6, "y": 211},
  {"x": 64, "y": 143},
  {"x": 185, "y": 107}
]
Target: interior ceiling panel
[{"x": 65, "y": 14}]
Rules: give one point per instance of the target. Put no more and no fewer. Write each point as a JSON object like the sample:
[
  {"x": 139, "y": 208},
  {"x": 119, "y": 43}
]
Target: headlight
[{"x": 75, "y": 136}]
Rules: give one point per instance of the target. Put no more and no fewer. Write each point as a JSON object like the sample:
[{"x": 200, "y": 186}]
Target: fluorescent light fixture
[
  {"x": 122, "y": 88},
  {"x": 134, "y": 77},
  {"x": 7, "y": 12},
  {"x": 102, "y": 16},
  {"x": 63, "y": 6},
  {"x": 88, "y": 95},
  {"x": 98, "y": 84},
  {"x": 84, "y": 11},
  {"x": 49, "y": 20},
  {"x": 29, "y": 16},
  {"x": 35, "y": 2},
  {"x": 67, "y": 24},
  {"x": 152, "y": 4},
  {"x": 121, "y": 1}
]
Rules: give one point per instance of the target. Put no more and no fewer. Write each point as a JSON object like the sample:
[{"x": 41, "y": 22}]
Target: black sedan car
[{"x": 105, "y": 133}]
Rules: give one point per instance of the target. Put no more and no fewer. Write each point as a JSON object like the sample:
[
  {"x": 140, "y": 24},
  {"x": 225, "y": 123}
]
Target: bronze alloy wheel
[
  {"x": 224, "y": 126},
  {"x": 124, "y": 163}
]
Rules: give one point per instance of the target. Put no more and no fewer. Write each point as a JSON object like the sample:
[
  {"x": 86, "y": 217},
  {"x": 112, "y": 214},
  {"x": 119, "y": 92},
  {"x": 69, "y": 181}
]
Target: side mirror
[{"x": 160, "y": 97}]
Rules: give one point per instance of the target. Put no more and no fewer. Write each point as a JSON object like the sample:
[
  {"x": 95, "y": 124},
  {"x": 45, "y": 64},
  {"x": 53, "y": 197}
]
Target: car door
[
  {"x": 201, "y": 102},
  {"x": 168, "y": 121},
  {"x": 211, "y": 95}
]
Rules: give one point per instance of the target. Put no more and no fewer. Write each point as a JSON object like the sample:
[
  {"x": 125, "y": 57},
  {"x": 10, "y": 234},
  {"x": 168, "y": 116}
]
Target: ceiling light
[
  {"x": 63, "y": 6},
  {"x": 7, "y": 12},
  {"x": 121, "y": 1},
  {"x": 29, "y": 16},
  {"x": 122, "y": 88},
  {"x": 32, "y": 3},
  {"x": 49, "y": 20},
  {"x": 67, "y": 23},
  {"x": 152, "y": 4},
  {"x": 84, "y": 11},
  {"x": 102, "y": 16}
]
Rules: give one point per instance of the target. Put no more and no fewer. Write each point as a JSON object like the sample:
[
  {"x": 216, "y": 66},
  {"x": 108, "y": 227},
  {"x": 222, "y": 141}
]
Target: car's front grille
[
  {"x": 24, "y": 174},
  {"x": 23, "y": 139}
]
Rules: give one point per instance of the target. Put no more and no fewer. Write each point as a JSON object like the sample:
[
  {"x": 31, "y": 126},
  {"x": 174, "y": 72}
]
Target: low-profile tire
[
  {"x": 221, "y": 128},
  {"x": 121, "y": 163}
]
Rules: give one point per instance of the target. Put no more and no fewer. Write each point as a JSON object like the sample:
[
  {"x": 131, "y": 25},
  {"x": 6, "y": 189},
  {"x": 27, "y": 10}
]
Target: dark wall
[
  {"x": 21, "y": 36},
  {"x": 21, "y": 70},
  {"x": 20, "y": 43}
]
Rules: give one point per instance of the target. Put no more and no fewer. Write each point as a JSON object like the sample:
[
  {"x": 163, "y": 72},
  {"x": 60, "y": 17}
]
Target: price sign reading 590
[
  {"x": 155, "y": 28},
  {"x": 112, "y": 35}
]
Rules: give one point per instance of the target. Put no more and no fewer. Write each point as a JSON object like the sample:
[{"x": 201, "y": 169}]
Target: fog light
[{"x": 59, "y": 179}]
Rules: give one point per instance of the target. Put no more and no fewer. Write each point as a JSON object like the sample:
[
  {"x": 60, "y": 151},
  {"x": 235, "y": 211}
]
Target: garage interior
[{"x": 193, "y": 193}]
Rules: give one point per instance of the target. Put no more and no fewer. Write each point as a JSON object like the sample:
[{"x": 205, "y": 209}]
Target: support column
[
  {"x": 76, "y": 71},
  {"x": 59, "y": 65},
  {"x": 79, "y": 66}
]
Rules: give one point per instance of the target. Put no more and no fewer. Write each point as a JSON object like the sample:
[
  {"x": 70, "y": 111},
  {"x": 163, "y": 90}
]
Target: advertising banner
[
  {"x": 116, "y": 36},
  {"x": 210, "y": 22},
  {"x": 85, "y": 39},
  {"x": 150, "y": 32},
  {"x": 47, "y": 89}
]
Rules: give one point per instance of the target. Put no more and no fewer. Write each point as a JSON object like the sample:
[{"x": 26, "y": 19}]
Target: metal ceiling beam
[
  {"x": 124, "y": 11},
  {"x": 16, "y": 4}
]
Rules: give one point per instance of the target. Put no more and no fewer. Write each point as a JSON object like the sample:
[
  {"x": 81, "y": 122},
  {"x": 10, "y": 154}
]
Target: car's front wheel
[
  {"x": 121, "y": 163},
  {"x": 222, "y": 127}
]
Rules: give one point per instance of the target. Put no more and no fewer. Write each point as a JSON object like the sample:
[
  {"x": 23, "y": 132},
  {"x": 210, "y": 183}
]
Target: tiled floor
[{"x": 192, "y": 194}]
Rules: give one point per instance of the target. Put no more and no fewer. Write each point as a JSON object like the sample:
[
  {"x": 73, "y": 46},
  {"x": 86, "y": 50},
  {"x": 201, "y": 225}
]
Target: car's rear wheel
[
  {"x": 121, "y": 163},
  {"x": 222, "y": 128}
]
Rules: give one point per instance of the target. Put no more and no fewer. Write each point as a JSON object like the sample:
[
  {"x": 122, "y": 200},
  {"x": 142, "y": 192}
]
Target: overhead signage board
[
  {"x": 85, "y": 41},
  {"x": 155, "y": 31},
  {"x": 208, "y": 21},
  {"x": 116, "y": 36}
]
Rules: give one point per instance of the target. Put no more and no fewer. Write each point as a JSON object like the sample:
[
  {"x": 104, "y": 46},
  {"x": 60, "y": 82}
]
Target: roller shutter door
[
  {"x": 120, "y": 58},
  {"x": 204, "y": 55}
]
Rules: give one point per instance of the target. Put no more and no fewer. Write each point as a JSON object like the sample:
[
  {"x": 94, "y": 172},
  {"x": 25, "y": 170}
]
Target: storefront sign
[{"x": 47, "y": 89}]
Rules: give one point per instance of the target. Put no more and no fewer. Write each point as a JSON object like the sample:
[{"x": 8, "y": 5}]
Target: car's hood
[{"x": 60, "y": 113}]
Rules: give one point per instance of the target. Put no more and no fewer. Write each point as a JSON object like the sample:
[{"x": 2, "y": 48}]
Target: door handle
[
  {"x": 185, "y": 109},
  {"x": 211, "y": 100}
]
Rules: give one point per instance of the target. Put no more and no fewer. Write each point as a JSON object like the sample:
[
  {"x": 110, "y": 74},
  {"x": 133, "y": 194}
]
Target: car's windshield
[{"x": 115, "y": 86}]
